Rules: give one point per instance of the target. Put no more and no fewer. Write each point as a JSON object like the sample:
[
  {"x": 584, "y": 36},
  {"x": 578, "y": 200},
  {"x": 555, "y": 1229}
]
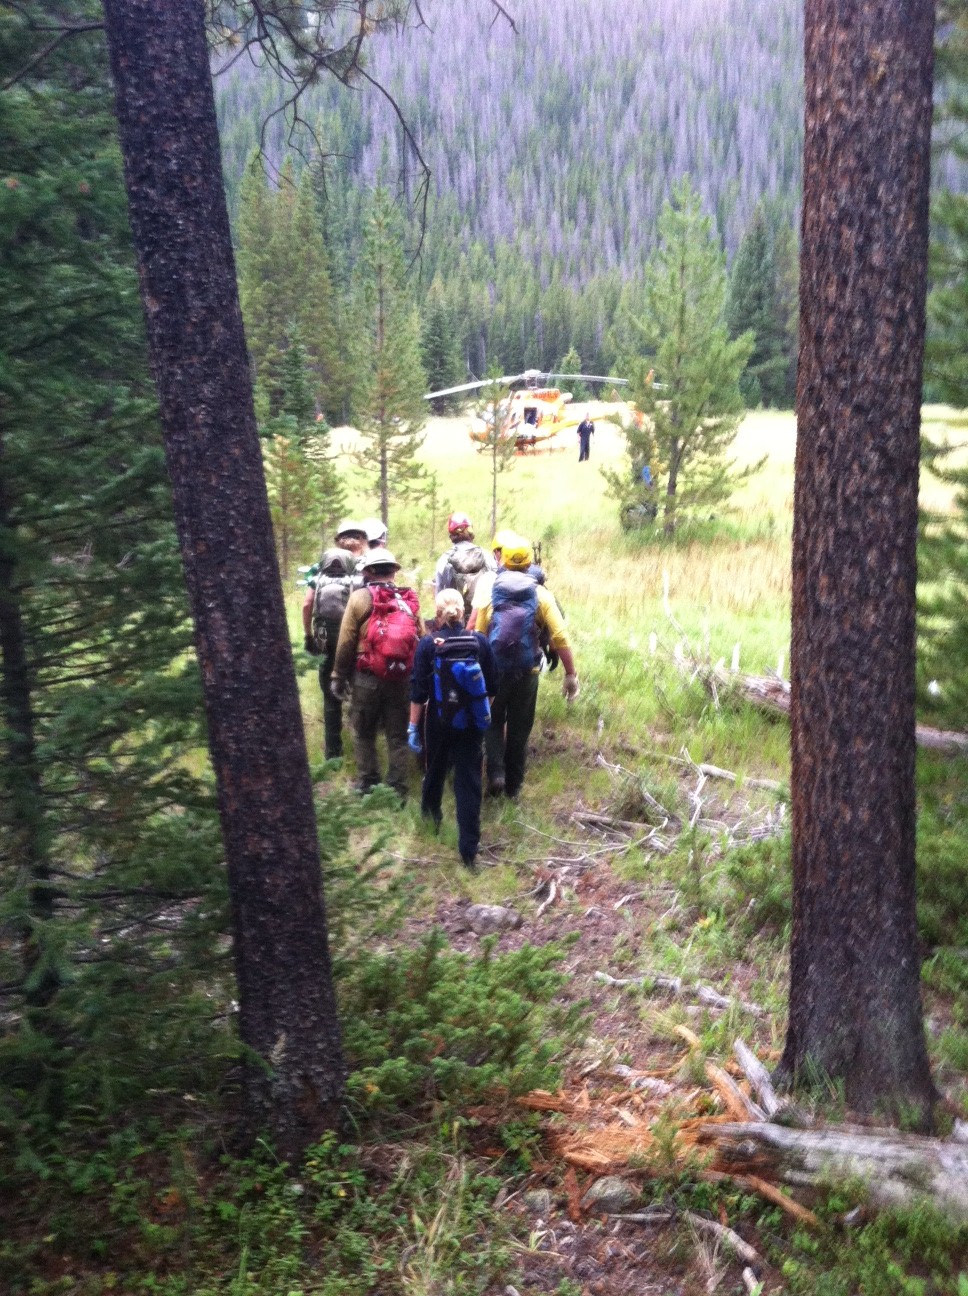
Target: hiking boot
[
  {"x": 469, "y": 862},
  {"x": 495, "y": 787}
]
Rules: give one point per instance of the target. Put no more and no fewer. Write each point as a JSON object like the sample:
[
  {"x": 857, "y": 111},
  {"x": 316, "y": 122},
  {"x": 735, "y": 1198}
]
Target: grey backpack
[
  {"x": 466, "y": 561},
  {"x": 332, "y": 594}
]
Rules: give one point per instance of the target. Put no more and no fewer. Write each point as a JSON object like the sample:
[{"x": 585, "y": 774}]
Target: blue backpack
[
  {"x": 513, "y": 633},
  {"x": 459, "y": 689}
]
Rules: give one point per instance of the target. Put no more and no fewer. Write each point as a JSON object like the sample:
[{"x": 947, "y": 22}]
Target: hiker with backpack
[
  {"x": 520, "y": 614},
  {"x": 485, "y": 582},
  {"x": 323, "y": 608},
  {"x": 453, "y": 678},
  {"x": 374, "y": 658},
  {"x": 464, "y": 563}
]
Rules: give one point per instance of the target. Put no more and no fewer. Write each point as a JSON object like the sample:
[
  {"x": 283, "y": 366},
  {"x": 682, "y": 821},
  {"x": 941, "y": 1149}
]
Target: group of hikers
[{"x": 460, "y": 692}]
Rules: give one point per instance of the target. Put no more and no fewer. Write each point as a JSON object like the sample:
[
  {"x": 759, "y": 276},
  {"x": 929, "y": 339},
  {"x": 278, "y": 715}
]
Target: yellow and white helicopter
[{"x": 532, "y": 414}]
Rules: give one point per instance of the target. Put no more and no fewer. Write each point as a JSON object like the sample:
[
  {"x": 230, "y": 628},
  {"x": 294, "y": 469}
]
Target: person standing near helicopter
[{"x": 585, "y": 429}]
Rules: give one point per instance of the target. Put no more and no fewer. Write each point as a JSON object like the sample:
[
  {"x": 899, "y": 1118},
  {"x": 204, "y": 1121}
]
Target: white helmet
[
  {"x": 378, "y": 558},
  {"x": 376, "y": 532}
]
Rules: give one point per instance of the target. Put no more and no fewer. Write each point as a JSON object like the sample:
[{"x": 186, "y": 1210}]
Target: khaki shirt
[{"x": 352, "y": 632}]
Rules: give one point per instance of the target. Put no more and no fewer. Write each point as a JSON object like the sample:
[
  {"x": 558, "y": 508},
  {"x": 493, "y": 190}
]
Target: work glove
[
  {"x": 340, "y": 689},
  {"x": 310, "y": 645},
  {"x": 570, "y": 688},
  {"x": 413, "y": 740}
]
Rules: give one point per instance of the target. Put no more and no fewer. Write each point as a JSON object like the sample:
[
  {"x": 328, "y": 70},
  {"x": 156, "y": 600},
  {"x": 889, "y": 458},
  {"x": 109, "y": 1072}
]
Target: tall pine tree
[
  {"x": 694, "y": 417},
  {"x": 756, "y": 304},
  {"x": 440, "y": 347},
  {"x": 306, "y": 495},
  {"x": 388, "y": 401},
  {"x": 285, "y": 286},
  {"x": 497, "y": 444},
  {"x": 169, "y": 139}
]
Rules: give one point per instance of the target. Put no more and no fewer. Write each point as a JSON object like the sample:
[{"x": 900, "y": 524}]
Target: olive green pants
[
  {"x": 512, "y": 719},
  {"x": 381, "y": 705}
]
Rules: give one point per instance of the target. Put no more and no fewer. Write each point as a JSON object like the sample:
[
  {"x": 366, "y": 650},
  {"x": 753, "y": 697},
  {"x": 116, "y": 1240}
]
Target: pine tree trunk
[
  {"x": 855, "y": 1008},
  {"x": 669, "y": 514},
  {"x": 169, "y": 141},
  {"x": 495, "y": 466}
]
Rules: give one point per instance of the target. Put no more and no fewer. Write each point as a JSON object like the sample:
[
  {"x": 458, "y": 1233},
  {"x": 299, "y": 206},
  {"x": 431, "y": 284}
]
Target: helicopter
[{"x": 532, "y": 414}]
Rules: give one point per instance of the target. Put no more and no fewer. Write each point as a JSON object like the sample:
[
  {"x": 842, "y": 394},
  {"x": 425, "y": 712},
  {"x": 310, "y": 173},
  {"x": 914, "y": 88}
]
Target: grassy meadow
[
  {"x": 636, "y": 606},
  {"x": 729, "y": 587}
]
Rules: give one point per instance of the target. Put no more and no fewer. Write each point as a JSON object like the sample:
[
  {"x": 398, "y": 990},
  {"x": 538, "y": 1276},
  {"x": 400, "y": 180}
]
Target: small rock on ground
[
  {"x": 610, "y": 1194},
  {"x": 487, "y": 919},
  {"x": 538, "y": 1202}
]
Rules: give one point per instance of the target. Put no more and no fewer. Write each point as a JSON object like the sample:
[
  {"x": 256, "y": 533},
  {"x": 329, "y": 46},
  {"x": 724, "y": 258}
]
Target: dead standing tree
[
  {"x": 855, "y": 1007},
  {"x": 173, "y": 173}
]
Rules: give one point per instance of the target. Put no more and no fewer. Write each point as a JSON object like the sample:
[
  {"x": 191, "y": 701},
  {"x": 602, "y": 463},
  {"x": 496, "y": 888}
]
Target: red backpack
[{"x": 392, "y": 633}]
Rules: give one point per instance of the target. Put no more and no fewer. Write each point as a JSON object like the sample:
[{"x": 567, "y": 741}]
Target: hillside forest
[
  {"x": 692, "y": 1017},
  {"x": 549, "y": 151}
]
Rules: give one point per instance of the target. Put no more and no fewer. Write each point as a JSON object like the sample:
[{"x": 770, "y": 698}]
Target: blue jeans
[{"x": 459, "y": 749}]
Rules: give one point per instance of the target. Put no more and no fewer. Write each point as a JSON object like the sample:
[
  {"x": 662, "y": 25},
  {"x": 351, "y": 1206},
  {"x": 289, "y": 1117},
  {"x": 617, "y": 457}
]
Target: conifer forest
[{"x": 467, "y": 831}]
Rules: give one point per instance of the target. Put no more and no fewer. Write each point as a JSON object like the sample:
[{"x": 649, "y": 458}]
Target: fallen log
[
  {"x": 704, "y": 994},
  {"x": 627, "y": 827},
  {"x": 898, "y": 1169},
  {"x": 773, "y": 695},
  {"x": 736, "y": 1102},
  {"x": 716, "y": 772},
  {"x": 729, "y": 1237},
  {"x": 759, "y": 1078}
]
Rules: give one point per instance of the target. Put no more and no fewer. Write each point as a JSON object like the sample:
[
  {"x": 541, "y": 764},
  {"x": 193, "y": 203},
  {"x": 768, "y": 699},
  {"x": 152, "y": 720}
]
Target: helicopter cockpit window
[{"x": 531, "y": 415}]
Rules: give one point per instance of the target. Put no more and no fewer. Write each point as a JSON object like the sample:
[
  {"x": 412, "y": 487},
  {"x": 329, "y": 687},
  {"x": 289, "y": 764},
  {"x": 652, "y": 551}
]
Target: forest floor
[{"x": 691, "y": 912}]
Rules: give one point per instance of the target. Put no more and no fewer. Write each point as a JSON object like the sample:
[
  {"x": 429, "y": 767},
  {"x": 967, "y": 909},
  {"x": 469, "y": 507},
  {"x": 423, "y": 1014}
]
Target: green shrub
[
  {"x": 760, "y": 890},
  {"x": 428, "y": 1024},
  {"x": 914, "y": 1252}
]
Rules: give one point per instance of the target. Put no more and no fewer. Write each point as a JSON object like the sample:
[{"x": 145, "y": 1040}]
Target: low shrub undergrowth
[{"x": 147, "y": 1202}]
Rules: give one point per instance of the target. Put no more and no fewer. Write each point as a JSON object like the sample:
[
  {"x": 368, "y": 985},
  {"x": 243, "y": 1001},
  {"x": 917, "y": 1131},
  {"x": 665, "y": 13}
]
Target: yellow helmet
[
  {"x": 518, "y": 556},
  {"x": 505, "y": 539}
]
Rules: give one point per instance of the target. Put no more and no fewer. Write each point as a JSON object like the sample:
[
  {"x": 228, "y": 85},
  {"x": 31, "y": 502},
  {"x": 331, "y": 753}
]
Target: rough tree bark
[
  {"x": 173, "y": 173},
  {"x": 855, "y": 1008}
]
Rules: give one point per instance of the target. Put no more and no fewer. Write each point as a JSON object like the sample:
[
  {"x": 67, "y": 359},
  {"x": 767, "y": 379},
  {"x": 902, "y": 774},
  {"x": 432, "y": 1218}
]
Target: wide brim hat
[
  {"x": 459, "y": 522},
  {"x": 350, "y": 527},
  {"x": 374, "y": 528},
  {"x": 505, "y": 539},
  {"x": 517, "y": 557},
  {"x": 338, "y": 558},
  {"x": 379, "y": 558}
]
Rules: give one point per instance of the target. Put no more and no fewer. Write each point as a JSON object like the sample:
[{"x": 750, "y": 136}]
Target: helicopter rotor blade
[
  {"x": 474, "y": 386},
  {"x": 598, "y": 378}
]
